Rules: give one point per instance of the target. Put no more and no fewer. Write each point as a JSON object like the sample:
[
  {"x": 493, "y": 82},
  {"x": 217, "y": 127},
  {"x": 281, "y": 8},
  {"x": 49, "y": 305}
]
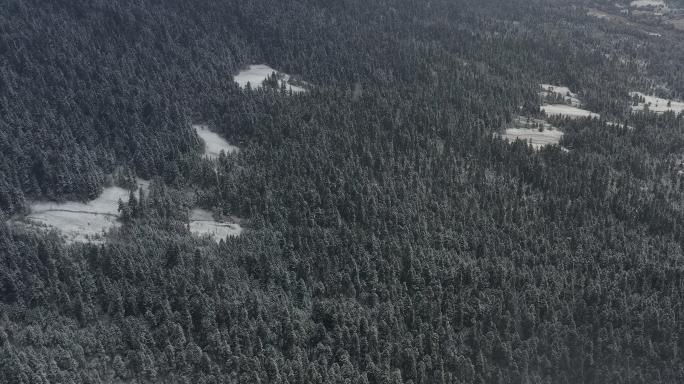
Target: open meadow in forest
[{"x": 257, "y": 73}]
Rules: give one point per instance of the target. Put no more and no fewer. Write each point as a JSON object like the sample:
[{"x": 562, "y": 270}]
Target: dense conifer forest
[{"x": 391, "y": 235}]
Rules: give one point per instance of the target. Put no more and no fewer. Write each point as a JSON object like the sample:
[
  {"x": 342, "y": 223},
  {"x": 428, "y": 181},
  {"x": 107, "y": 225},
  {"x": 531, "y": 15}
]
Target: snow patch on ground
[
  {"x": 536, "y": 138},
  {"x": 678, "y": 24},
  {"x": 571, "y": 106},
  {"x": 646, "y": 3},
  {"x": 656, "y": 104},
  {"x": 213, "y": 143},
  {"x": 83, "y": 222},
  {"x": 528, "y": 129},
  {"x": 598, "y": 15},
  {"x": 567, "y": 110},
  {"x": 91, "y": 221},
  {"x": 568, "y": 96},
  {"x": 202, "y": 223},
  {"x": 255, "y": 75}
]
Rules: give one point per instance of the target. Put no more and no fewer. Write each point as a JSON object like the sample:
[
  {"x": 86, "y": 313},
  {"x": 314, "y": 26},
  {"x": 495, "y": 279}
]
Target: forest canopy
[{"x": 391, "y": 235}]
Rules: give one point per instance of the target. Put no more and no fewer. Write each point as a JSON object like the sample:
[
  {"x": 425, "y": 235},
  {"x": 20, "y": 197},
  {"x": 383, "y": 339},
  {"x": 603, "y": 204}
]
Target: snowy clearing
[
  {"x": 528, "y": 129},
  {"x": 202, "y": 223},
  {"x": 678, "y": 24},
  {"x": 598, "y": 15},
  {"x": 567, "y": 110},
  {"x": 83, "y": 222},
  {"x": 656, "y": 104},
  {"x": 90, "y": 222},
  {"x": 213, "y": 143},
  {"x": 563, "y": 91},
  {"x": 646, "y": 3},
  {"x": 255, "y": 75},
  {"x": 536, "y": 138},
  {"x": 76, "y": 226}
]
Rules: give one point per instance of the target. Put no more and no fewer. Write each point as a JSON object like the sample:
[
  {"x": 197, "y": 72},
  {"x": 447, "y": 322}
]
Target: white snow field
[
  {"x": 571, "y": 109},
  {"x": 213, "y": 143},
  {"x": 537, "y": 138},
  {"x": 90, "y": 222},
  {"x": 567, "y": 110},
  {"x": 522, "y": 129},
  {"x": 83, "y": 222},
  {"x": 255, "y": 75},
  {"x": 677, "y": 23},
  {"x": 597, "y": 15},
  {"x": 563, "y": 91},
  {"x": 657, "y": 104},
  {"x": 645, "y": 3},
  {"x": 202, "y": 223}
]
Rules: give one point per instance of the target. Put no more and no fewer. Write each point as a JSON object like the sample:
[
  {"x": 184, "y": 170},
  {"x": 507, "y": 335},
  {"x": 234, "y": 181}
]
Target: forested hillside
[{"x": 391, "y": 236}]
